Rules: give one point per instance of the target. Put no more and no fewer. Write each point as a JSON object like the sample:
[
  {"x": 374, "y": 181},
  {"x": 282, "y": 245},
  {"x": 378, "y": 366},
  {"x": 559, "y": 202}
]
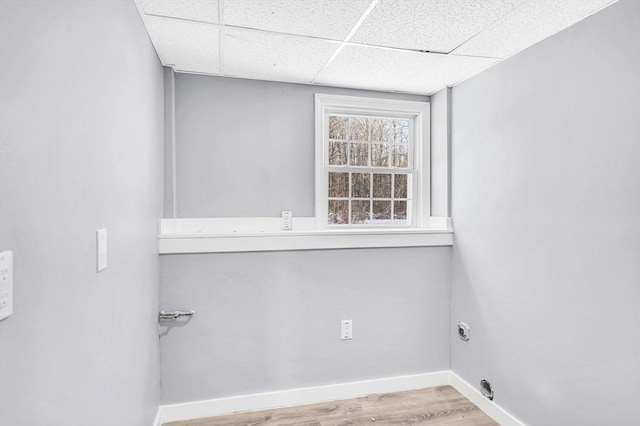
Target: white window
[{"x": 372, "y": 162}]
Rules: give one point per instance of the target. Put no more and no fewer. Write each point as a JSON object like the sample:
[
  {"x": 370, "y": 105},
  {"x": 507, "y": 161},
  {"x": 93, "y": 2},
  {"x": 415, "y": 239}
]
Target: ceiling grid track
[
  {"x": 405, "y": 46},
  {"x": 487, "y": 28},
  {"x": 347, "y": 38},
  {"x": 345, "y": 41}
]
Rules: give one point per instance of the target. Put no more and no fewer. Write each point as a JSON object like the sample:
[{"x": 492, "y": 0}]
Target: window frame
[{"x": 419, "y": 112}]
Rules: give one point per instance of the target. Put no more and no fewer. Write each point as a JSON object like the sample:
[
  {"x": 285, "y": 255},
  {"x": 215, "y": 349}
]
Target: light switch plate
[
  {"x": 101, "y": 249},
  {"x": 346, "y": 329},
  {"x": 287, "y": 220},
  {"x": 6, "y": 284}
]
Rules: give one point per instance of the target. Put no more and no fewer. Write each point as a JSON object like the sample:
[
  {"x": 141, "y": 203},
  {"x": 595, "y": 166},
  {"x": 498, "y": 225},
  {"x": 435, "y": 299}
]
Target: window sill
[{"x": 244, "y": 235}]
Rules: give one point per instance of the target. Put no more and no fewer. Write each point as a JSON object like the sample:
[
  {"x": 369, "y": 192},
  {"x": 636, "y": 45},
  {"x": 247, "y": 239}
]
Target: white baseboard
[
  {"x": 301, "y": 396},
  {"x": 489, "y": 407},
  {"x": 157, "y": 421},
  {"x": 311, "y": 395}
]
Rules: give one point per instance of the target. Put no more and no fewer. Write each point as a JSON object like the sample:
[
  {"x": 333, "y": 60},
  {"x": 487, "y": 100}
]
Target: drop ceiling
[{"x": 409, "y": 46}]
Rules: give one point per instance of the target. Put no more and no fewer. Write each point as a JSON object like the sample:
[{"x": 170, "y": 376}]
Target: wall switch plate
[
  {"x": 6, "y": 284},
  {"x": 346, "y": 329},
  {"x": 287, "y": 220},
  {"x": 101, "y": 249}
]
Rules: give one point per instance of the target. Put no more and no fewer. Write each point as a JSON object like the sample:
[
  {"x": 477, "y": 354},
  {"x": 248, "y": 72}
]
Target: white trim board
[
  {"x": 489, "y": 407},
  {"x": 301, "y": 241},
  {"x": 273, "y": 225},
  {"x": 215, "y": 235},
  {"x": 300, "y": 396},
  {"x": 316, "y": 394},
  {"x": 157, "y": 421}
]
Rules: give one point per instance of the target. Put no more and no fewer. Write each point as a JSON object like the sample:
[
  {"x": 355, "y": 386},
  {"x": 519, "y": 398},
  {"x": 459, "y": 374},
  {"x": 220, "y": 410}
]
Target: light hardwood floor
[{"x": 434, "y": 406}]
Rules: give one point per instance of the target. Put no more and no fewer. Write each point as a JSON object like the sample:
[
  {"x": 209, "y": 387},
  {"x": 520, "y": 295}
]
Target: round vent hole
[{"x": 486, "y": 389}]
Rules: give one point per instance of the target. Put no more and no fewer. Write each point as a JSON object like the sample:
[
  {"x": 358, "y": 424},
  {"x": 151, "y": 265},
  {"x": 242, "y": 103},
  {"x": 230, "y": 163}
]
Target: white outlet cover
[
  {"x": 463, "y": 331},
  {"x": 287, "y": 219},
  {"x": 346, "y": 329},
  {"x": 101, "y": 249}
]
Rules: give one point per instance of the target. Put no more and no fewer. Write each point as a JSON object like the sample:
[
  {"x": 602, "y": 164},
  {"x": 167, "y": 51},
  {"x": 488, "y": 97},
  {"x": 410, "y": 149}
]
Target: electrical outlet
[
  {"x": 287, "y": 220},
  {"x": 346, "y": 329}
]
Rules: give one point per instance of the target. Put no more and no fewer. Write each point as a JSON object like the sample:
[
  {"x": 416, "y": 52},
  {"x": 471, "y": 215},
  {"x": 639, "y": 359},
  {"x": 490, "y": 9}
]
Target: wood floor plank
[{"x": 441, "y": 405}]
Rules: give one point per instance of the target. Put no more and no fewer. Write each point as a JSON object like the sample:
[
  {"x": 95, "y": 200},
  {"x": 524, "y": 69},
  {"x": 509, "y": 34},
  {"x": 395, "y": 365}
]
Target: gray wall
[
  {"x": 169, "y": 142},
  {"x": 271, "y": 321},
  {"x": 80, "y": 148},
  {"x": 245, "y": 147},
  {"x": 441, "y": 153},
  {"x": 546, "y": 208}
]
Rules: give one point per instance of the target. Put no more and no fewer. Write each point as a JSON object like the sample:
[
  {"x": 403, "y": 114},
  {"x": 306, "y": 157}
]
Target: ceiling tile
[
  {"x": 375, "y": 68},
  {"x": 268, "y": 56},
  {"x": 448, "y": 71},
  {"x": 189, "y": 46},
  {"x": 328, "y": 19},
  {"x": 433, "y": 25},
  {"x": 196, "y": 10},
  {"x": 530, "y": 23}
]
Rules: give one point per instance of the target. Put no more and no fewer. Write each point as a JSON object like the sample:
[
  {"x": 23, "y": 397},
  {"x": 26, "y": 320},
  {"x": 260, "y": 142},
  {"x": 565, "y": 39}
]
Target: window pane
[
  {"x": 359, "y": 128},
  {"x": 359, "y": 154},
  {"x": 337, "y": 127},
  {"x": 338, "y": 185},
  {"x": 360, "y": 185},
  {"x": 382, "y": 130},
  {"x": 400, "y": 210},
  {"x": 360, "y": 211},
  {"x": 379, "y": 155},
  {"x": 376, "y": 129},
  {"x": 378, "y": 132},
  {"x": 401, "y": 128},
  {"x": 400, "y": 186},
  {"x": 382, "y": 186},
  {"x": 338, "y": 212},
  {"x": 400, "y": 155},
  {"x": 337, "y": 153},
  {"x": 381, "y": 210}
]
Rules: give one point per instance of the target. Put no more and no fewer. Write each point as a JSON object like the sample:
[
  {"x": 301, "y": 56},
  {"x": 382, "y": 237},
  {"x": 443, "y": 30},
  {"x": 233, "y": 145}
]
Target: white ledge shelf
[{"x": 262, "y": 234}]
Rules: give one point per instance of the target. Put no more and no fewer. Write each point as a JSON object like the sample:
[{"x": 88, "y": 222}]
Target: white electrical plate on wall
[
  {"x": 6, "y": 284},
  {"x": 101, "y": 249},
  {"x": 287, "y": 220},
  {"x": 346, "y": 329}
]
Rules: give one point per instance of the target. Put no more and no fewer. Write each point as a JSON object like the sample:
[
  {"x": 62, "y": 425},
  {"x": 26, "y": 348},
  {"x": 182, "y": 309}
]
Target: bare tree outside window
[{"x": 370, "y": 170}]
